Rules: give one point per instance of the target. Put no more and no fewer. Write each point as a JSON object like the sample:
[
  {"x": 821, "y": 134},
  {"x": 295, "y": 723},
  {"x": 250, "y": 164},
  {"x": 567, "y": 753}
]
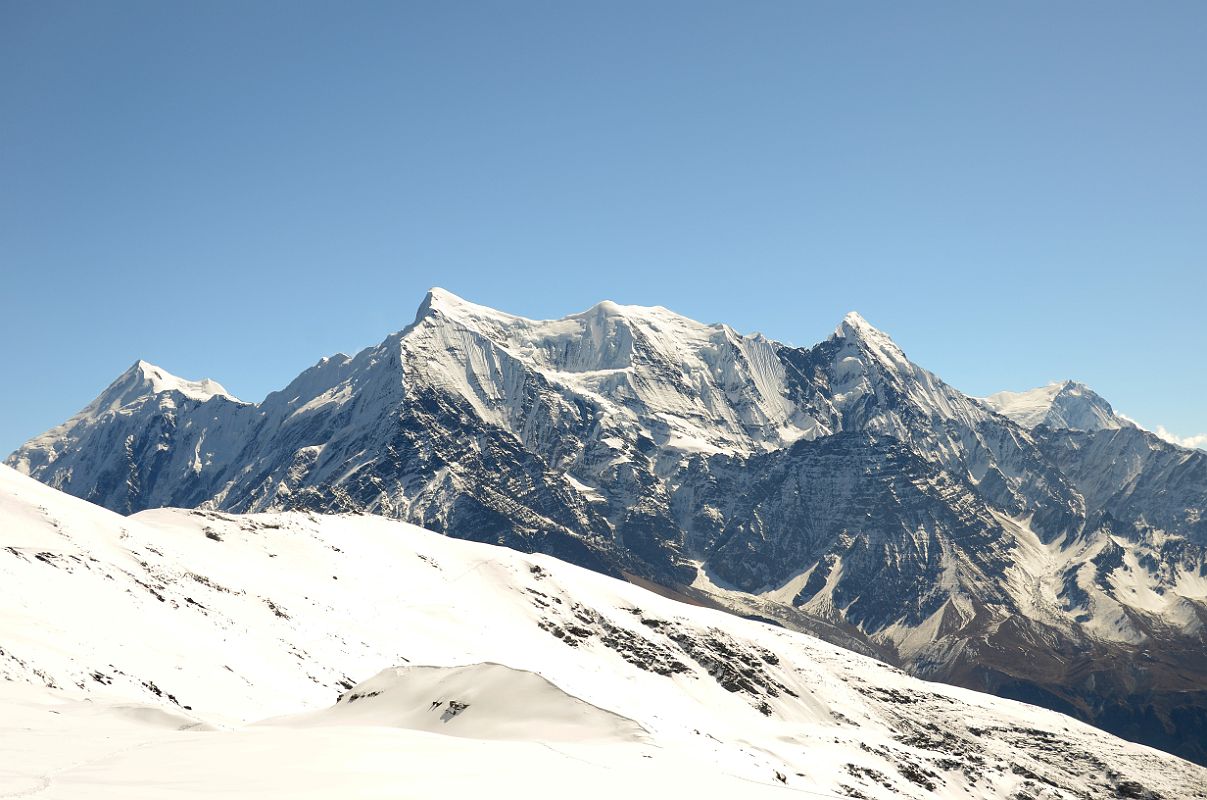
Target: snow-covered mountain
[
  {"x": 1067, "y": 405},
  {"x": 839, "y": 489},
  {"x": 188, "y": 653}
]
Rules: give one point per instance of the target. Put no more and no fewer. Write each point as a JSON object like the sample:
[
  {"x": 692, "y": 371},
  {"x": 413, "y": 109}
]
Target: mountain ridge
[{"x": 838, "y": 488}]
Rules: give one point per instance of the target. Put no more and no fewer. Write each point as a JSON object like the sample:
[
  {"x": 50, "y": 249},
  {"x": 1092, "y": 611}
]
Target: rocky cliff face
[{"x": 840, "y": 488}]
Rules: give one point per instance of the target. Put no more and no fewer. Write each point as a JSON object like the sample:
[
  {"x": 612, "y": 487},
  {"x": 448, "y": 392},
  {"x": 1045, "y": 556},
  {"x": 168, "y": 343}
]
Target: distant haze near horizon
[{"x": 1015, "y": 195}]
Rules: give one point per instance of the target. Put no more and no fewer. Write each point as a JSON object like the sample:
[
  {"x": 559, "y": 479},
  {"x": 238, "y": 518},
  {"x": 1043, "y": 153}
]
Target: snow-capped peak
[
  {"x": 144, "y": 378},
  {"x": 857, "y": 329},
  {"x": 856, "y": 320},
  {"x": 853, "y": 325},
  {"x": 1063, "y": 404},
  {"x": 1027, "y": 408},
  {"x": 442, "y": 301},
  {"x": 702, "y": 387}
]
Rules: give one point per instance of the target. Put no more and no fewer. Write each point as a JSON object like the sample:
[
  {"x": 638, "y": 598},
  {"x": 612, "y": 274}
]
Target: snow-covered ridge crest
[
  {"x": 442, "y": 301},
  {"x": 651, "y": 372},
  {"x": 144, "y": 378},
  {"x": 1062, "y": 405}
]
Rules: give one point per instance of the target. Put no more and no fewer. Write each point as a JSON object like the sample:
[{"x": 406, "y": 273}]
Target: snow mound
[{"x": 478, "y": 701}]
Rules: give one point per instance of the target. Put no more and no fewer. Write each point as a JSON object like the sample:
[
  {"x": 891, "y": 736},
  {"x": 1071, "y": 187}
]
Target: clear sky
[{"x": 1016, "y": 192}]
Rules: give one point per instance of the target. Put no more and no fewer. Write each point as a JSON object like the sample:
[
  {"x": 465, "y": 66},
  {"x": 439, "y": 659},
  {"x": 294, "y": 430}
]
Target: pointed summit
[
  {"x": 856, "y": 320},
  {"x": 144, "y": 379},
  {"x": 435, "y": 301},
  {"x": 856, "y": 329},
  {"x": 438, "y": 298},
  {"x": 442, "y": 302},
  {"x": 854, "y": 324}
]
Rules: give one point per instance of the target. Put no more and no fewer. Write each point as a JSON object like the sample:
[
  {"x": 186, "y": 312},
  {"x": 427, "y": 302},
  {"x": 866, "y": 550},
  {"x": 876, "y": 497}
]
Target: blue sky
[{"x": 1016, "y": 192}]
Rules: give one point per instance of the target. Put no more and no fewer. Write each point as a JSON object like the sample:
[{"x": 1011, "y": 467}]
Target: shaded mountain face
[
  {"x": 839, "y": 489},
  {"x": 1135, "y": 481}
]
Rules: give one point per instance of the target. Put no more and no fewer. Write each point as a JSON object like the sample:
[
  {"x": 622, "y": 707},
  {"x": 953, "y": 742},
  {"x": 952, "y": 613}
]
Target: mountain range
[{"x": 1036, "y": 545}]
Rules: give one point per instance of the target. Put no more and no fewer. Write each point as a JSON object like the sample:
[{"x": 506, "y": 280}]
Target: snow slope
[
  {"x": 506, "y": 704},
  {"x": 55, "y": 748},
  {"x": 124, "y": 638}
]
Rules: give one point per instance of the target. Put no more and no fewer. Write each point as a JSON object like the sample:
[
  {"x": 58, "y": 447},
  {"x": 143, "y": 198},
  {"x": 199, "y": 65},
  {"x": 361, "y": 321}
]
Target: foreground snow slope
[
  {"x": 54, "y": 749},
  {"x": 138, "y": 650}
]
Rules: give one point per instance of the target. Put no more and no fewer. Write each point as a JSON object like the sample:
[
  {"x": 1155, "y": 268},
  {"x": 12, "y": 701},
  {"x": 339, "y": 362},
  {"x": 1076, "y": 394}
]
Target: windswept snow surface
[{"x": 184, "y": 654}]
